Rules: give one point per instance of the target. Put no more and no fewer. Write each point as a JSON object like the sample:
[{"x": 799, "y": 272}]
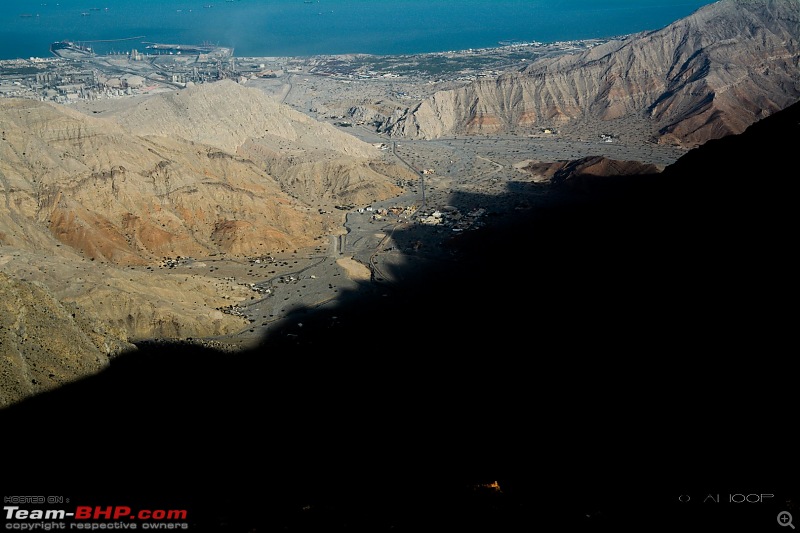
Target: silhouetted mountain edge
[{"x": 636, "y": 337}]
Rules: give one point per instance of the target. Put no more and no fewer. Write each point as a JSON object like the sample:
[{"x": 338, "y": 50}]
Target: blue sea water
[{"x": 318, "y": 27}]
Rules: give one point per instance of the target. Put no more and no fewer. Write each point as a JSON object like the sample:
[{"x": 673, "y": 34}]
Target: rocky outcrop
[
  {"x": 703, "y": 77},
  {"x": 589, "y": 174}
]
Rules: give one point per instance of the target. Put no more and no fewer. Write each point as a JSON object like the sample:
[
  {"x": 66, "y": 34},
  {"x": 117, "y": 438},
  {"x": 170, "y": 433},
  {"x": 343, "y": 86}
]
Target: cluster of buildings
[
  {"x": 76, "y": 74},
  {"x": 451, "y": 217},
  {"x": 62, "y": 81},
  {"x": 447, "y": 217}
]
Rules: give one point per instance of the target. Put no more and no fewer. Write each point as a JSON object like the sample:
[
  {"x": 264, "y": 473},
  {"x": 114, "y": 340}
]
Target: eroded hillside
[{"x": 703, "y": 77}]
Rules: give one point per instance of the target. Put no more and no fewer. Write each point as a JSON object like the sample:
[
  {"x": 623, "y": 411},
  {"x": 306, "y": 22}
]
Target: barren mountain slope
[
  {"x": 705, "y": 76},
  {"x": 176, "y": 186},
  {"x": 90, "y": 211},
  {"x": 225, "y": 114},
  {"x": 312, "y": 160},
  {"x": 34, "y": 359},
  {"x": 129, "y": 200},
  {"x": 63, "y": 315}
]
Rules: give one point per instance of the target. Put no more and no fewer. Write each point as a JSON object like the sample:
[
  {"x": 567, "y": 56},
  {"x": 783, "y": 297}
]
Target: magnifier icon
[{"x": 785, "y": 519}]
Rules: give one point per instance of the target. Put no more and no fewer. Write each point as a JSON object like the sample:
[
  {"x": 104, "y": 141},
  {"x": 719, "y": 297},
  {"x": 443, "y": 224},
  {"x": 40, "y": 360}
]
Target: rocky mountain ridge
[{"x": 711, "y": 74}]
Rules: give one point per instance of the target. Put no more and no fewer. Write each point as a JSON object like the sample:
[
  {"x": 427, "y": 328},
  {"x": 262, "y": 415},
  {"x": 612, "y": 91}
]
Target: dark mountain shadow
[{"x": 590, "y": 353}]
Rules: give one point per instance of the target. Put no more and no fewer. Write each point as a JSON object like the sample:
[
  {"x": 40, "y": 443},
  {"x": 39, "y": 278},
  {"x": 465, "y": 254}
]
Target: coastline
[{"x": 279, "y": 28}]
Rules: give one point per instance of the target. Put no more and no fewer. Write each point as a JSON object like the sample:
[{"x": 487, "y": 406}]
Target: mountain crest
[{"x": 708, "y": 75}]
